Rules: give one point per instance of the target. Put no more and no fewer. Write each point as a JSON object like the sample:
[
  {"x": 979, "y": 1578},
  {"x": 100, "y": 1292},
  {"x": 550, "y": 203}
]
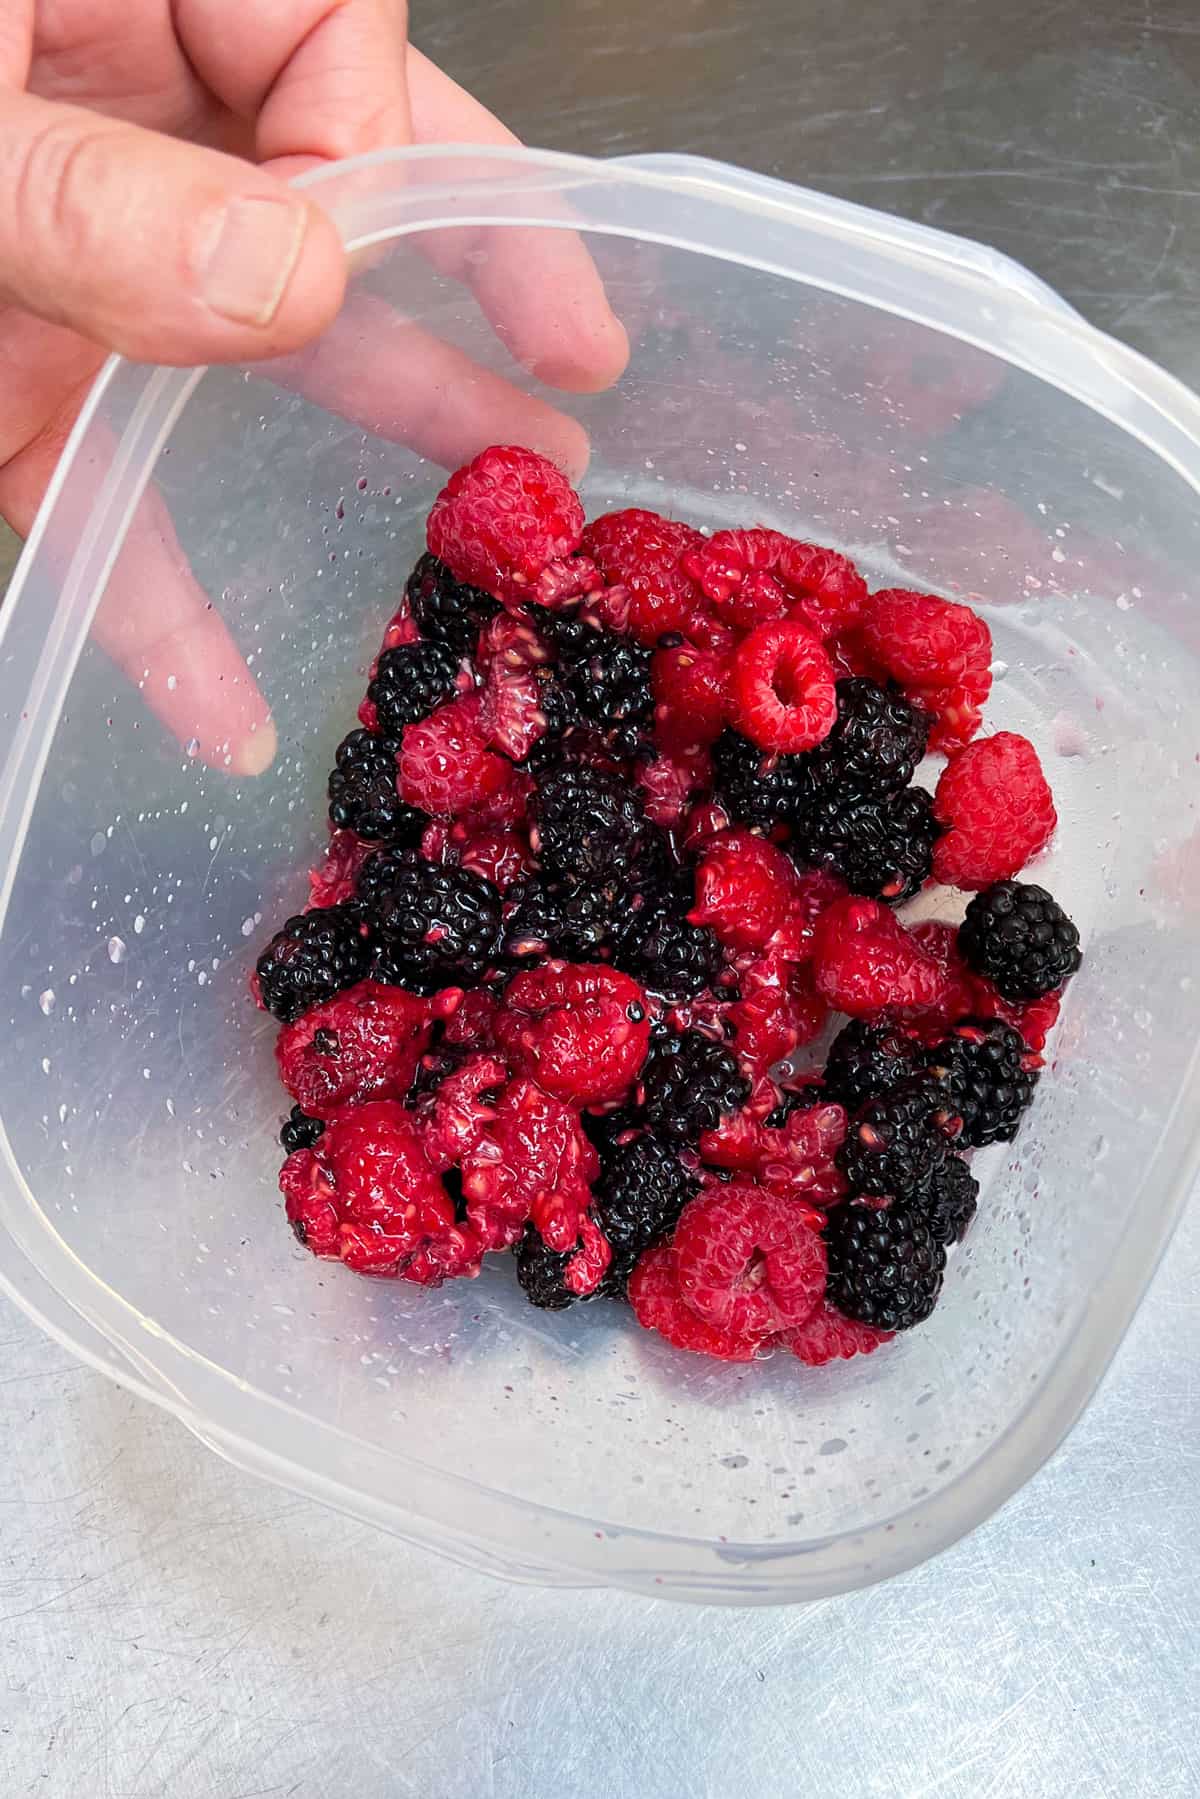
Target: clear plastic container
[{"x": 913, "y": 398}]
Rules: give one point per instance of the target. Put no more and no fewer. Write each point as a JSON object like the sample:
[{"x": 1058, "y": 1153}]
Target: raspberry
[
  {"x": 829, "y": 1336},
  {"x": 1020, "y": 939},
  {"x": 362, "y": 792},
  {"x": 314, "y": 956},
  {"x": 777, "y": 1013},
  {"x": 1034, "y": 1019},
  {"x": 446, "y": 767},
  {"x": 747, "y": 1261},
  {"x": 601, "y": 680},
  {"x": 885, "y": 1267},
  {"x": 333, "y": 881},
  {"x": 754, "y": 575},
  {"x": 513, "y": 662},
  {"x": 473, "y": 1024},
  {"x": 691, "y": 695},
  {"x": 996, "y": 809},
  {"x": 458, "y": 1110},
  {"x": 433, "y": 926},
  {"x": 688, "y": 1085},
  {"x": 641, "y": 1191},
  {"x": 877, "y": 741},
  {"x": 895, "y": 1142},
  {"x": 533, "y": 1162},
  {"x": 880, "y": 845},
  {"x": 866, "y": 1061},
  {"x": 501, "y": 857},
  {"x": 580, "y": 1031},
  {"x": 299, "y": 1131},
  {"x": 642, "y": 551},
  {"x": 955, "y": 713},
  {"x": 659, "y": 1306},
  {"x": 924, "y": 641},
  {"x": 782, "y": 688},
  {"x": 587, "y": 823},
  {"x": 672, "y": 785},
  {"x": 501, "y": 519},
  {"x": 447, "y": 610},
  {"x": 795, "y": 1159},
  {"x": 749, "y": 894},
  {"x": 362, "y": 1044},
  {"x": 556, "y": 918},
  {"x": 866, "y": 963},
  {"x": 761, "y": 789},
  {"x": 988, "y": 1075},
  {"x": 947, "y": 1200},
  {"x": 409, "y": 683}
]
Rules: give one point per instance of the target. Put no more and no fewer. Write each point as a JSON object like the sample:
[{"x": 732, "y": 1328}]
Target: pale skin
[{"x": 144, "y": 150}]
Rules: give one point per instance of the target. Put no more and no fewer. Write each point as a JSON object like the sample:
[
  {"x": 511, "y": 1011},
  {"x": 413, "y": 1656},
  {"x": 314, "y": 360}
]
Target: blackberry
[
  {"x": 642, "y": 1189},
  {"x": 434, "y": 926},
  {"x": 604, "y": 1128},
  {"x": 433, "y": 1068},
  {"x": 300, "y": 1131},
  {"x": 379, "y": 872},
  {"x": 567, "y": 744},
  {"x": 794, "y": 1099},
  {"x": 1019, "y": 939},
  {"x": 447, "y": 610},
  {"x": 895, "y": 1142},
  {"x": 880, "y": 844},
  {"x": 589, "y": 823},
  {"x": 885, "y": 1267},
  {"x": 410, "y": 682},
  {"x": 362, "y": 792},
  {"x": 877, "y": 741},
  {"x": 947, "y": 1201},
  {"x": 601, "y": 680},
  {"x": 689, "y": 1083},
  {"x": 759, "y": 789},
  {"x": 540, "y": 1273},
  {"x": 544, "y": 917},
  {"x": 866, "y": 1061},
  {"x": 653, "y": 940},
  {"x": 981, "y": 1065},
  {"x": 314, "y": 956}
]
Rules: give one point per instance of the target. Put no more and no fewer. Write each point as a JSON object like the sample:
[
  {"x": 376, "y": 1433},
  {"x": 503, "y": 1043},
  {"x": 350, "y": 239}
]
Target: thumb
[{"x": 164, "y": 251}]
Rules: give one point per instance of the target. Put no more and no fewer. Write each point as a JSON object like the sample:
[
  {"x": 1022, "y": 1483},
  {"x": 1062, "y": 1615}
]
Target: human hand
[{"x": 143, "y": 148}]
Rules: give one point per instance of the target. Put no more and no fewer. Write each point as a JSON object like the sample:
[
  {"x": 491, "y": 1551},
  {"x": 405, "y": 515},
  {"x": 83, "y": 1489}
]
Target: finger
[
  {"x": 162, "y": 250},
  {"x": 323, "y": 79},
  {"x": 400, "y": 382},
  {"x": 539, "y": 287},
  {"x": 158, "y": 625}
]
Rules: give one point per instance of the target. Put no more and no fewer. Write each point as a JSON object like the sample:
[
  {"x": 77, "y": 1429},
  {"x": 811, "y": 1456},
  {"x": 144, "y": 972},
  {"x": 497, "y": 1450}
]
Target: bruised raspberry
[
  {"x": 473, "y": 1024},
  {"x": 445, "y": 766},
  {"x": 309, "y": 1202},
  {"x": 996, "y": 810},
  {"x": 748, "y": 1262},
  {"x": 748, "y": 892},
  {"x": 795, "y": 1159},
  {"x": 783, "y": 695},
  {"x": 513, "y": 661},
  {"x": 940, "y": 653},
  {"x": 581, "y": 1032},
  {"x": 362, "y": 1044},
  {"x": 333, "y": 880},
  {"x": 456, "y": 1114},
  {"x": 501, "y": 519},
  {"x": 643, "y": 552},
  {"x": 587, "y": 1267},
  {"x": 672, "y": 784},
  {"x": 533, "y": 1162},
  {"x": 691, "y": 695},
  {"x": 777, "y": 1012},
  {"x": 658, "y": 1305},
  {"x": 866, "y": 963},
  {"x": 830, "y": 1336},
  {"x": 501, "y": 857}
]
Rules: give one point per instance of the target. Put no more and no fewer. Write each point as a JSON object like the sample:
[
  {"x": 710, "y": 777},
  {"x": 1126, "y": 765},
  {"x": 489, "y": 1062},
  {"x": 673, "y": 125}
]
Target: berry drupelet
[
  {"x": 545, "y": 917},
  {"x": 880, "y": 844},
  {"x": 983, "y": 1066},
  {"x": 433, "y": 926},
  {"x": 363, "y": 796},
  {"x": 866, "y": 1061},
  {"x": 601, "y": 680},
  {"x": 299, "y": 1131},
  {"x": 1020, "y": 939},
  {"x": 895, "y": 1142},
  {"x": 447, "y": 610},
  {"x": 410, "y": 682},
  {"x": 948, "y": 1199},
  {"x": 642, "y": 1189},
  {"x": 885, "y": 1267},
  {"x": 540, "y": 1272},
  {"x": 587, "y": 823},
  {"x": 877, "y": 741},
  {"x": 314, "y": 956},
  {"x": 758, "y": 789},
  {"x": 689, "y": 1083}
]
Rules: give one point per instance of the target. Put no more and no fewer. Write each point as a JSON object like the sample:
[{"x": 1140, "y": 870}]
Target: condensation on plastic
[{"x": 918, "y": 400}]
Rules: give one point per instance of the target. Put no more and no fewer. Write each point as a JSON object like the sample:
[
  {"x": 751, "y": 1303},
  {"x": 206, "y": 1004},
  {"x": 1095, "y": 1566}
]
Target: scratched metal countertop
[{"x": 170, "y": 1627}]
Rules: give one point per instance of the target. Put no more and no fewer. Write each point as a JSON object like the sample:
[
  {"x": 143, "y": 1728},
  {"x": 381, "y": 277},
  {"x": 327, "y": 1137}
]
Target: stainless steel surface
[{"x": 169, "y": 1627}]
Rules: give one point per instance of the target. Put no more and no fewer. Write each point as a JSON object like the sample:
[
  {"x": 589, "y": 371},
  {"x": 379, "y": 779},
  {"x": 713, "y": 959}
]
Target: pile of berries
[{"x": 622, "y": 829}]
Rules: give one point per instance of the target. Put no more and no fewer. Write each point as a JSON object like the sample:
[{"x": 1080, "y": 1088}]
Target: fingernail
[
  {"x": 255, "y": 754},
  {"x": 258, "y": 244}
]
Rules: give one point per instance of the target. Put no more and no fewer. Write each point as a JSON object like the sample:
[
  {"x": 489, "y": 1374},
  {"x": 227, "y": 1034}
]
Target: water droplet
[
  {"x": 247, "y": 927},
  {"x": 171, "y": 1107},
  {"x": 48, "y": 1000},
  {"x": 99, "y": 840},
  {"x": 192, "y": 747},
  {"x": 735, "y": 1461},
  {"x": 116, "y": 949},
  {"x": 45, "y": 1064},
  {"x": 172, "y": 683},
  {"x": 139, "y": 924},
  {"x": 999, "y": 670}
]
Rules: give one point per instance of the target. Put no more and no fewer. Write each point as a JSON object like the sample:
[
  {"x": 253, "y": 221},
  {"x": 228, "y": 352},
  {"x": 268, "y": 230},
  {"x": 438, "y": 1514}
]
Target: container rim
[{"x": 978, "y": 296}]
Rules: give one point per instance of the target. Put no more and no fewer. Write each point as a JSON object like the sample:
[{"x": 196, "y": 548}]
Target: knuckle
[{"x": 64, "y": 190}]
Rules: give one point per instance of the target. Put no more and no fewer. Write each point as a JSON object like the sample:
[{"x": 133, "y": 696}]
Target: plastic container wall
[{"x": 912, "y": 399}]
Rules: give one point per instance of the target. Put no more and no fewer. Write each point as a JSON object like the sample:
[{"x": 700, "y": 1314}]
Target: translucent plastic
[{"x": 914, "y": 399}]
